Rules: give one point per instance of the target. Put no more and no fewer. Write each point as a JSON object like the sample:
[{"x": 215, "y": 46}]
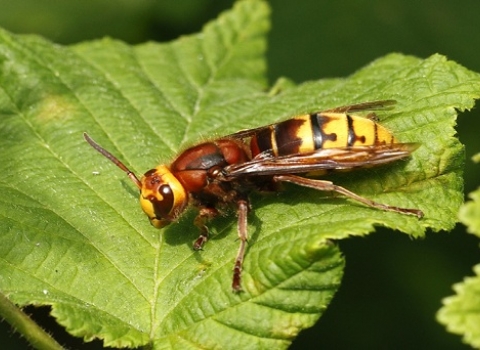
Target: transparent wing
[{"x": 321, "y": 160}]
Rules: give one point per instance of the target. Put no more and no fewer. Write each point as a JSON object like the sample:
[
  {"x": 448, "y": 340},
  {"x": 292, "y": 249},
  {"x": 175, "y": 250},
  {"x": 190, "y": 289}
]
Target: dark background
[{"x": 393, "y": 285}]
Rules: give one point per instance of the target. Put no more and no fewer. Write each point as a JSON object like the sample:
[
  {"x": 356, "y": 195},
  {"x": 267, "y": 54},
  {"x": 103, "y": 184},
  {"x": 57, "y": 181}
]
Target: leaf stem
[{"x": 24, "y": 325}]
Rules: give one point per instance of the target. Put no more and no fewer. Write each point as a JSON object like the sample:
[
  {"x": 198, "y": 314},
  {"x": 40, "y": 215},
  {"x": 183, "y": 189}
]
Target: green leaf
[
  {"x": 470, "y": 212},
  {"x": 73, "y": 235},
  {"x": 460, "y": 312}
]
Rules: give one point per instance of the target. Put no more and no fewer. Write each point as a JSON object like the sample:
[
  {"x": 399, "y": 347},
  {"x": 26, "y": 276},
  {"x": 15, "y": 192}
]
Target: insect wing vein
[{"x": 322, "y": 159}]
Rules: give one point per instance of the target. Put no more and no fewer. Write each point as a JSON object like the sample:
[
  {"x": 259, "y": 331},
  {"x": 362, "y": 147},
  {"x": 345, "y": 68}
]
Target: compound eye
[
  {"x": 162, "y": 196},
  {"x": 159, "y": 206},
  {"x": 164, "y": 206},
  {"x": 158, "y": 201}
]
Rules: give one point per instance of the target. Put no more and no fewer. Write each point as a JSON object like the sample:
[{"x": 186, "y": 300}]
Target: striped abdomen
[{"x": 307, "y": 133}]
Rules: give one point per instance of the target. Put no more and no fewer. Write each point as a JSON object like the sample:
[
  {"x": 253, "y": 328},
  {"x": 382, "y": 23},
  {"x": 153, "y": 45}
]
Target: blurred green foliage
[{"x": 311, "y": 40}]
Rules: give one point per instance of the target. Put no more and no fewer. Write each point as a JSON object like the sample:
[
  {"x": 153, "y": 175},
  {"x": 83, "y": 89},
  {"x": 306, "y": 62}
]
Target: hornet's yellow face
[{"x": 162, "y": 196}]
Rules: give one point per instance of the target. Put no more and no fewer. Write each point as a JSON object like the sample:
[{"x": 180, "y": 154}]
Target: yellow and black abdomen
[{"x": 309, "y": 132}]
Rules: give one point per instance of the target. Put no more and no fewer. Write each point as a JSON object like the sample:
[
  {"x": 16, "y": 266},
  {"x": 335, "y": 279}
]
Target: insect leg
[
  {"x": 205, "y": 214},
  {"x": 243, "y": 236},
  {"x": 323, "y": 185}
]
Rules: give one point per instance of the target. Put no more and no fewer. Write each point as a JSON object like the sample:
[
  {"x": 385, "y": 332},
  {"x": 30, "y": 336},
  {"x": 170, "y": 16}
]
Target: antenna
[{"x": 113, "y": 159}]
